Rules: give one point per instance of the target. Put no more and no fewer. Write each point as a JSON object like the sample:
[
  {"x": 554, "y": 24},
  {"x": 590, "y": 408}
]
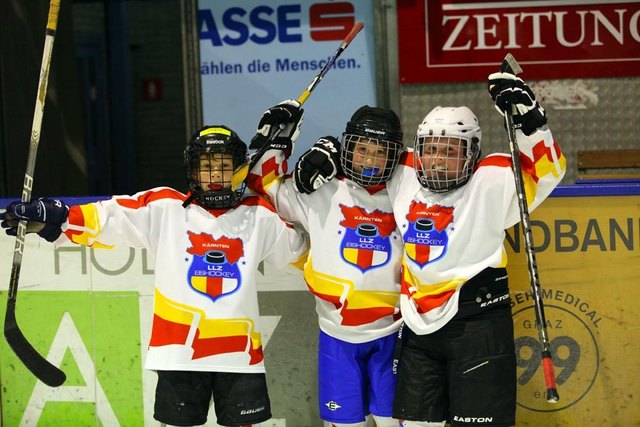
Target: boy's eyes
[
  {"x": 217, "y": 164},
  {"x": 363, "y": 150},
  {"x": 432, "y": 149}
]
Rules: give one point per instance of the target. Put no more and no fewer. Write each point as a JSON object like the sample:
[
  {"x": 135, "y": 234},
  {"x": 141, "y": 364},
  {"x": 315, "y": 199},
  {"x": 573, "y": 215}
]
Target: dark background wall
[
  {"x": 61, "y": 165},
  {"x": 124, "y": 94},
  {"x": 114, "y": 118}
]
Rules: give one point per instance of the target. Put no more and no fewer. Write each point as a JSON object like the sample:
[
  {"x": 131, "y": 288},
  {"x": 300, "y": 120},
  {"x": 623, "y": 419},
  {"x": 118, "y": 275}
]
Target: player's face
[
  {"x": 215, "y": 171},
  {"x": 369, "y": 157},
  {"x": 443, "y": 157}
]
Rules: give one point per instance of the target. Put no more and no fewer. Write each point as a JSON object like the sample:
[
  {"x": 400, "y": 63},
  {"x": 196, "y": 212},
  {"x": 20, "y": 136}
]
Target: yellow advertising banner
[{"x": 588, "y": 257}]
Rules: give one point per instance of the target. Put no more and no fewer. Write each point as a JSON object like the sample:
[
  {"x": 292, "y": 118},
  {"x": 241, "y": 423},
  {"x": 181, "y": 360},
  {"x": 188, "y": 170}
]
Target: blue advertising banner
[{"x": 254, "y": 55}]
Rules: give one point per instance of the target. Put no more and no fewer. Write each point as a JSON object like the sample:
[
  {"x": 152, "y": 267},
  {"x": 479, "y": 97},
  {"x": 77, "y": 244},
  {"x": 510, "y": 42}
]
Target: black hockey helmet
[
  {"x": 216, "y": 141},
  {"x": 377, "y": 126}
]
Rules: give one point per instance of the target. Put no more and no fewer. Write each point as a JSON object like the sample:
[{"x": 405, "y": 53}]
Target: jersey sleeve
[
  {"x": 282, "y": 243},
  {"x": 268, "y": 178},
  {"x": 121, "y": 220},
  {"x": 290, "y": 246},
  {"x": 543, "y": 167}
]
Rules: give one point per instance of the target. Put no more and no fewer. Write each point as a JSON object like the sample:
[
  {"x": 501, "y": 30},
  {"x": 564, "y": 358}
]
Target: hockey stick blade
[
  {"x": 38, "y": 365},
  {"x": 510, "y": 65}
]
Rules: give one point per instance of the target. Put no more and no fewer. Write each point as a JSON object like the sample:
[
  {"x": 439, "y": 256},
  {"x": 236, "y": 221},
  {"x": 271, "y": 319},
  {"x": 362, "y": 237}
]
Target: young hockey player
[
  {"x": 353, "y": 269},
  {"x": 207, "y": 244},
  {"x": 457, "y": 361}
]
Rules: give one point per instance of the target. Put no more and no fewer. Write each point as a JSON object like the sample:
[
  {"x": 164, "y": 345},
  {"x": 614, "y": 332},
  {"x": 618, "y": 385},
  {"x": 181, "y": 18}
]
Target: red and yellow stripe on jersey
[
  {"x": 84, "y": 226},
  {"x": 428, "y": 296},
  {"x": 175, "y": 323},
  {"x": 532, "y": 170},
  {"x": 357, "y": 307},
  {"x": 270, "y": 170}
]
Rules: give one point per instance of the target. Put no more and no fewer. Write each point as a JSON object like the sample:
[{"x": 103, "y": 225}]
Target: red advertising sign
[{"x": 453, "y": 40}]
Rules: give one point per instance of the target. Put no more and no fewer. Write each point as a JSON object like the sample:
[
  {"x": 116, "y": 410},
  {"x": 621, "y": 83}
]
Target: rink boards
[{"x": 89, "y": 312}]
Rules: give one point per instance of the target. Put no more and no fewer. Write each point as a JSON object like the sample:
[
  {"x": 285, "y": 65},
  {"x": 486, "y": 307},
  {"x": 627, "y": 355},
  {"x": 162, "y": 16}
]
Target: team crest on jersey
[
  {"x": 426, "y": 238},
  {"x": 366, "y": 241},
  {"x": 214, "y": 271}
]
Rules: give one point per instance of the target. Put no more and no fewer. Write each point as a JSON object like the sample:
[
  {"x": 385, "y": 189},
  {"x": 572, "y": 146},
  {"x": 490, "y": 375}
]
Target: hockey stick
[
  {"x": 307, "y": 92},
  {"x": 316, "y": 80},
  {"x": 510, "y": 65},
  {"x": 38, "y": 365},
  {"x": 345, "y": 43}
]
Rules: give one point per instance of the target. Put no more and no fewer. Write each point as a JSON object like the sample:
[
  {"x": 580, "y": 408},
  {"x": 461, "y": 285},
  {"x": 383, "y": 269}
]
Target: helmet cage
[
  {"x": 214, "y": 142},
  {"x": 447, "y": 148},
  {"x": 368, "y": 161},
  {"x": 448, "y": 164},
  {"x": 377, "y": 126}
]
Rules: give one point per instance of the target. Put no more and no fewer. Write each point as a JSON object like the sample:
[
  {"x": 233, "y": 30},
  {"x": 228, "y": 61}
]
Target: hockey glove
[
  {"x": 318, "y": 165},
  {"x": 44, "y": 216},
  {"x": 279, "y": 127},
  {"x": 511, "y": 92}
]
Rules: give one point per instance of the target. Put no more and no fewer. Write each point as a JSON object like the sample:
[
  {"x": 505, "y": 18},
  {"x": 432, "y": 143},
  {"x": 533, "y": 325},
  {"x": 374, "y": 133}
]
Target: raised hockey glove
[
  {"x": 318, "y": 165},
  {"x": 511, "y": 93},
  {"x": 44, "y": 216},
  {"x": 279, "y": 127}
]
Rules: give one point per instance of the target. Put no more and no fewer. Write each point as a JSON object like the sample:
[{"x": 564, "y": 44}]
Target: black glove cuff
[
  {"x": 531, "y": 121},
  {"x": 285, "y": 145},
  {"x": 50, "y": 232}
]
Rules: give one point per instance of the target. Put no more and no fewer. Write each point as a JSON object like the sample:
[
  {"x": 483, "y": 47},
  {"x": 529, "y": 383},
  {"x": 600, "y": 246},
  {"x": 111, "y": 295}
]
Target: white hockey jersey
[
  {"x": 451, "y": 237},
  {"x": 205, "y": 313},
  {"x": 353, "y": 269}
]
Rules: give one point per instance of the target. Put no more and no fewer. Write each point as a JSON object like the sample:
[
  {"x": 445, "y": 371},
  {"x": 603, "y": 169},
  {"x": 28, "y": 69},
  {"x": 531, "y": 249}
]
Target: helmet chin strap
[{"x": 188, "y": 200}]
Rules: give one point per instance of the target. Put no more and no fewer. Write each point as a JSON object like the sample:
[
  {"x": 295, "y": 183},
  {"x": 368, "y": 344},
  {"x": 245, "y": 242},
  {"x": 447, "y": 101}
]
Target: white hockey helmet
[{"x": 447, "y": 147}]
